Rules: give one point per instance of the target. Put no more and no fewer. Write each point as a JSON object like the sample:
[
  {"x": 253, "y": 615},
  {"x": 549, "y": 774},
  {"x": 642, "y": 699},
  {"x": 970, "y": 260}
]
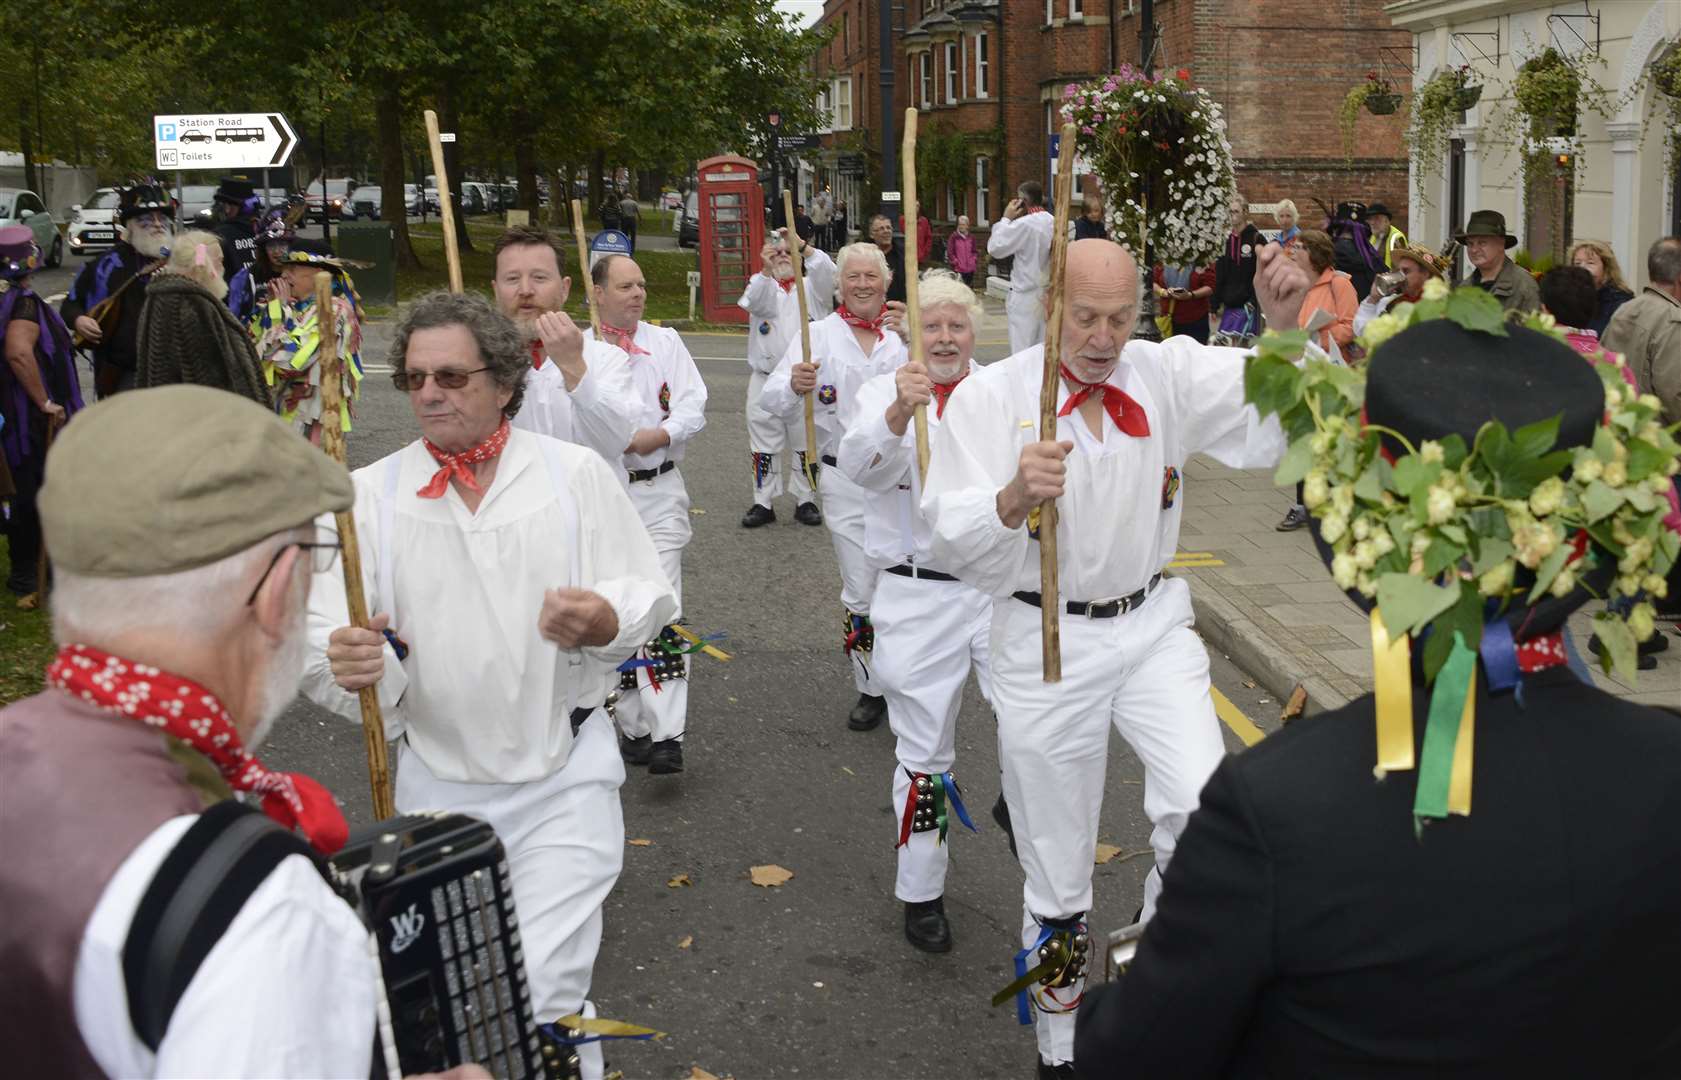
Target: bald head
[{"x": 1100, "y": 306}]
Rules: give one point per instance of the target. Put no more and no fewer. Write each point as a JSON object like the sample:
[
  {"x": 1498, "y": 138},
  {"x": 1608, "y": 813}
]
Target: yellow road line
[
  {"x": 1233, "y": 717},
  {"x": 1181, "y": 564}
]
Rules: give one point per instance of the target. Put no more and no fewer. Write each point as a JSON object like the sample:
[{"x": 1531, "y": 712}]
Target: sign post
[{"x": 222, "y": 141}]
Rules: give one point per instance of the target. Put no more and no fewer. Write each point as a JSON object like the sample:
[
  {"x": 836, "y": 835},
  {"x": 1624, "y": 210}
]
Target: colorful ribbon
[
  {"x": 1393, "y": 683},
  {"x": 944, "y": 790},
  {"x": 1444, "y": 770},
  {"x": 594, "y": 1029},
  {"x": 1024, "y": 1014}
]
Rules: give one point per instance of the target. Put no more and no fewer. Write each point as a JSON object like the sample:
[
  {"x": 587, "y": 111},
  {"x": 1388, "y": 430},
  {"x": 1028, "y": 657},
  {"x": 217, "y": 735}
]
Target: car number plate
[{"x": 96, "y": 236}]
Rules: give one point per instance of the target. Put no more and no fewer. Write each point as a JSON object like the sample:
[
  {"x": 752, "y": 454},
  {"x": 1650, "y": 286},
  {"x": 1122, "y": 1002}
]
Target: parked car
[
  {"x": 365, "y": 205},
  {"x": 432, "y": 205},
  {"x": 688, "y": 229},
  {"x": 196, "y": 200},
  {"x": 20, "y": 207},
  {"x": 474, "y": 199},
  {"x": 93, "y": 224},
  {"x": 411, "y": 198},
  {"x": 337, "y": 194},
  {"x": 510, "y": 196}
]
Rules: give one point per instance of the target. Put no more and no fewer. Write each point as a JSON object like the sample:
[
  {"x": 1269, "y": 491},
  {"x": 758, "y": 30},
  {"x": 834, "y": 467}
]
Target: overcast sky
[{"x": 808, "y": 11}]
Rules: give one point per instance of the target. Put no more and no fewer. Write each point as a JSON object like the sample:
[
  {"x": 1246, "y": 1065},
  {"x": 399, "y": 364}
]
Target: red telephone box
[{"x": 732, "y": 230}]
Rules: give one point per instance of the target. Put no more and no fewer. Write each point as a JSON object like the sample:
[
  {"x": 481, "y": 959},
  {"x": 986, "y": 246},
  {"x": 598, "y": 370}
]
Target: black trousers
[
  {"x": 23, "y": 525},
  {"x": 1197, "y": 329}
]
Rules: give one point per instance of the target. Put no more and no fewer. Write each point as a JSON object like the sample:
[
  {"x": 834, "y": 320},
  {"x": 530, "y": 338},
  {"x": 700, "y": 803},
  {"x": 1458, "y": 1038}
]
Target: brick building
[{"x": 991, "y": 72}]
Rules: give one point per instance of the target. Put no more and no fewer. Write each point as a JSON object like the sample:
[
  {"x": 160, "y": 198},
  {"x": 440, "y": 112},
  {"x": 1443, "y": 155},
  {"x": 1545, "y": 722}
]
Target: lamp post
[{"x": 1146, "y": 328}]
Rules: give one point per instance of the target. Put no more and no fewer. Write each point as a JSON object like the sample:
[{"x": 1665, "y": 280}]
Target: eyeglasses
[
  {"x": 321, "y": 559},
  {"x": 449, "y": 380}
]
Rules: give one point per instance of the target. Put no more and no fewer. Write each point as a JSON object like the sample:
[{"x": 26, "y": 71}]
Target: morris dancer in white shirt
[
  {"x": 773, "y": 319},
  {"x": 1024, "y": 234},
  {"x": 1129, "y": 656},
  {"x": 855, "y": 344},
  {"x": 652, "y": 709},
  {"x": 515, "y": 577},
  {"x": 578, "y": 391},
  {"x": 931, "y": 627}
]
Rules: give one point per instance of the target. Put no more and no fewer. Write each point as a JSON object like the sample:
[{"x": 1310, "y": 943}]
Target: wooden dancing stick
[
  {"x": 584, "y": 266},
  {"x": 796, "y": 248},
  {"x": 350, "y": 553},
  {"x": 446, "y": 212},
  {"x": 1050, "y": 600},
  {"x": 913, "y": 302}
]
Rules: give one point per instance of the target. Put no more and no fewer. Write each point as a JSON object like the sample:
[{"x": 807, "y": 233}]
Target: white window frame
[
  {"x": 841, "y": 98},
  {"x": 952, "y": 65},
  {"x": 925, "y": 77},
  {"x": 1050, "y": 12},
  {"x": 1076, "y": 9},
  {"x": 951, "y": 203},
  {"x": 983, "y": 191},
  {"x": 825, "y": 108},
  {"x": 983, "y": 65},
  {"x": 963, "y": 66}
]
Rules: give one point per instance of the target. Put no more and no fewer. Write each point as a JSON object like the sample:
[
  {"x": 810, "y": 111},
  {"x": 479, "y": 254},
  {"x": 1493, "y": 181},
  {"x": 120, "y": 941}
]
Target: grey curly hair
[{"x": 501, "y": 347}]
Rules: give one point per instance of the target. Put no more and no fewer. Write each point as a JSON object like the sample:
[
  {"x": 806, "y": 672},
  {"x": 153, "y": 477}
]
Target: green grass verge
[{"x": 26, "y": 644}]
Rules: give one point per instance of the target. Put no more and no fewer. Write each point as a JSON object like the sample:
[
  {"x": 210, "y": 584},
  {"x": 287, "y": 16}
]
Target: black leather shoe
[
  {"x": 1001, "y": 815},
  {"x": 635, "y": 751},
  {"x": 808, "y": 514},
  {"x": 666, "y": 757},
  {"x": 868, "y": 713},
  {"x": 757, "y": 515},
  {"x": 926, "y": 926},
  {"x": 1063, "y": 1071},
  {"x": 1294, "y": 519}
]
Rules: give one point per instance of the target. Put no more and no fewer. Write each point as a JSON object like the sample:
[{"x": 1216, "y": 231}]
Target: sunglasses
[
  {"x": 321, "y": 559},
  {"x": 449, "y": 380}
]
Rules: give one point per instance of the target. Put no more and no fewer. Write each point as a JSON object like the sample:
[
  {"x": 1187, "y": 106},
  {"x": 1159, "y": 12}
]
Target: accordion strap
[{"x": 195, "y": 895}]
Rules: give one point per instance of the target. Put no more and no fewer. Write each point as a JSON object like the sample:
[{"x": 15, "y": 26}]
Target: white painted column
[
  {"x": 1625, "y": 146},
  {"x": 1473, "y": 171}
]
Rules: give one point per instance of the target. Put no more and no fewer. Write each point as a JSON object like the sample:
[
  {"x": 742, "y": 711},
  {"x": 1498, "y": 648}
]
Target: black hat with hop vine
[{"x": 1477, "y": 483}]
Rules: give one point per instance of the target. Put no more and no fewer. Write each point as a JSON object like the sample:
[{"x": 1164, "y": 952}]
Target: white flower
[
  {"x": 1430, "y": 452},
  {"x": 1344, "y": 570},
  {"x": 1435, "y": 289}
]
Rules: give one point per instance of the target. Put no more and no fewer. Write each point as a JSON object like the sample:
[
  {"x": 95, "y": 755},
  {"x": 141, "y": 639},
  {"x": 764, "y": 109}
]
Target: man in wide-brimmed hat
[
  {"x": 1387, "y": 240},
  {"x": 288, "y": 334},
  {"x": 1486, "y": 240},
  {"x": 145, "y": 218},
  {"x": 1325, "y": 918},
  {"x": 1417, "y": 265}
]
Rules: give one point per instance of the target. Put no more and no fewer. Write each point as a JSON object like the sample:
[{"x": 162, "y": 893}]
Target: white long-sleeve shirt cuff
[
  {"x": 974, "y": 542},
  {"x": 643, "y": 608},
  {"x": 871, "y": 456}
]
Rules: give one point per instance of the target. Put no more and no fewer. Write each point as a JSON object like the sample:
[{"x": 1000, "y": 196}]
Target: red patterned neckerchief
[
  {"x": 538, "y": 354},
  {"x": 627, "y": 340},
  {"x": 1127, "y": 413},
  {"x": 191, "y": 713},
  {"x": 1541, "y": 653},
  {"x": 787, "y": 284},
  {"x": 456, "y": 464},
  {"x": 861, "y": 323},
  {"x": 942, "y": 394}
]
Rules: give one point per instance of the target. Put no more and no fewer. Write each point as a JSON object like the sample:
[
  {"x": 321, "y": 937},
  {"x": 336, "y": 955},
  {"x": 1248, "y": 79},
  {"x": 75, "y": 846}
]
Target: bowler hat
[
  {"x": 234, "y": 189},
  {"x": 20, "y": 255},
  {"x": 1486, "y": 223}
]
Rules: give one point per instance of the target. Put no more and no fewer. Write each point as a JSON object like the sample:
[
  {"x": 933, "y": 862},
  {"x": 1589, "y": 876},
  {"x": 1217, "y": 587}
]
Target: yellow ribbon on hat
[{"x": 1393, "y": 683}]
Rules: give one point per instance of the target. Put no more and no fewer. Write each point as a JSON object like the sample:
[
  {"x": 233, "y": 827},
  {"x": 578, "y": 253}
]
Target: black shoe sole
[
  {"x": 934, "y": 947},
  {"x": 635, "y": 755},
  {"x": 663, "y": 764}
]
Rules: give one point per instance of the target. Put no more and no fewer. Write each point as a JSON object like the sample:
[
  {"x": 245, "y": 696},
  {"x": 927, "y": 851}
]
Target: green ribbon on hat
[{"x": 1450, "y": 705}]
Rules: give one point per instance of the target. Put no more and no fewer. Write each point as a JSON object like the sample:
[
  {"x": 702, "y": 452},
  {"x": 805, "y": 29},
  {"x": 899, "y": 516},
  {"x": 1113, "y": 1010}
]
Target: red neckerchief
[
  {"x": 191, "y": 713},
  {"x": 786, "y": 283},
  {"x": 1541, "y": 653},
  {"x": 942, "y": 394},
  {"x": 456, "y": 464},
  {"x": 862, "y": 323},
  {"x": 1127, "y": 413},
  {"x": 627, "y": 339},
  {"x": 538, "y": 354}
]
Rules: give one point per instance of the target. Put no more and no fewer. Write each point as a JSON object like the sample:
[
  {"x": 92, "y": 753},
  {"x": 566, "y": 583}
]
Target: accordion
[{"x": 435, "y": 891}]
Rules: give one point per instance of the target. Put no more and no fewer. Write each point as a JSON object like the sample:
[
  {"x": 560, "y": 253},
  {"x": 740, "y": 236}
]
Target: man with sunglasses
[
  {"x": 513, "y": 576},
  {"x": 146, "y": 227}
]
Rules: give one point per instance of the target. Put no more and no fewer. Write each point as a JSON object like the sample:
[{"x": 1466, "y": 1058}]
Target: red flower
[{"x": 1183, "y": 75}]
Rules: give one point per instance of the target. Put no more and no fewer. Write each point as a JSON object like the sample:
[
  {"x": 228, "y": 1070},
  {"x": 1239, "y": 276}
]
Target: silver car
[
  {"x": 93, "y": 224},
  {"x": 20, "y": 207}
]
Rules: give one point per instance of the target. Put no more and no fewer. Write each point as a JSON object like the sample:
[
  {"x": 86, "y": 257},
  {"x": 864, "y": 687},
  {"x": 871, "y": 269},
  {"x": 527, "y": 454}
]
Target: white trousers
[
  {"x": 776, "y": 444},
  {"x": 1025, "y": 310},
  {"x": 564, "y": 836},
  {"x": 663, "y": 505},
  {"x": 1145, "y": 673},
  {"x": 928, "y": 635},
  {"x": 843, "y": 513}
]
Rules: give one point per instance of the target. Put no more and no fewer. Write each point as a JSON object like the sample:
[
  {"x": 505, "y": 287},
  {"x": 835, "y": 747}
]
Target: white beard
[
  {"x": 943, "y": 370},
  {"x": 148, "y": 243},
  {"x": 281, "y": 680}
]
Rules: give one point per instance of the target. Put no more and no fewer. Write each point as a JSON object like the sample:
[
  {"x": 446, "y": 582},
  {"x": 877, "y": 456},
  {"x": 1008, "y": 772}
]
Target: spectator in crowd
[
  {"x": 1417, "y": 266},
  {"x": 924, "y": 238},
  {"x": 960, "y": 251},
  {"x": 838, "y": 237},
  {"x": 630, "y": 214},
  {"x": 1597, "y": 258},
  {"x": 881, "y": 234},
  {"x": 234, "y": 209},
  {"x": 1647, "y": 330},
  {"x": 609, "y": 212},
  {"x": 1183, "y": 292},
  {"x": 822, "y": 211},
  {"x": 1486, "y": 240},
  {"x": 187, "y": 334},
  {"x": 1386, "y": 238},
  {"x": 804, "y": 227},
  {"x": 1331, "y": 292},
  {"x": 1234, "y": 278},
  {"x": 1089, "y": 225},
  {"x": 1289, "y": 224},
  {"x": 1351, "y": 245}
]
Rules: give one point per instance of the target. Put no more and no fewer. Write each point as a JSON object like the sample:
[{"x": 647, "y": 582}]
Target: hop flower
[
  {"x": 1642, "y": 621},
  {"x": 1342, "y": 498},
  {"x": 1498, "y": 581},
  {"x": 1655, "y": 585},
  {"x": 1315, "y": 489},
  {"x": 1383, "y": 542},
  {"x": 1333, "y": 526},
  {"x": 1616, "y": 474},
  {"x": 1534, "y": 542},
  {"x": 1431, "y": 453},
  {"x": 1588, "y": 467},
  {"x": 1380, "y": 330},
  {"x": 1365, "y": 553},
  {"x": 1362, "y": 528},
  {"x": 1435, "y": 289},
  {"x": 1344, "y": 570},
  {"x": 1650, "y": 401},
  {"x": 1613, "y": 396},
  {"x": 1439, "y": 505},
  {"x": 1563, "y": 583},
  {"x": 1547, "y": 497}
]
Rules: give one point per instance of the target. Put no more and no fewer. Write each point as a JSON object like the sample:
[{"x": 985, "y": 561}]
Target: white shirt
[
  {"x": 773, "y": 319},
  {"x": 884, "y": 465},
  {"x": 1028, "y": 240},
  {"x": 1370, "y": 309},
  {"x": 1113, "y": 531},
  {"x": 669, "y": 391},
  {"x": 482, "y": 696},
  {"x": 820, "y": 274},
  {"x": 600, "y": 412},
  {"x": 292, "y": 974},
  {"x": 842, "y": 367}
]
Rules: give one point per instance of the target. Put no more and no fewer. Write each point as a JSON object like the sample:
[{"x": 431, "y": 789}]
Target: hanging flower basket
[
  {"x": 1382, "y": 104},
  {"x": 1135, "y": 129},
  {"x": 1467, "y": 96}
]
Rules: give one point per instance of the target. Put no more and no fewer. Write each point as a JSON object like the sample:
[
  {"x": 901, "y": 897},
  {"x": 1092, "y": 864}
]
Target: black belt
[
  {"x": 579, "y": 715},
  {"x": 907, "y": 570},
  {"x": 639, "y": 475},
  {"x": 828, "y": 459},
  {"x": 1099, "y": 609}
]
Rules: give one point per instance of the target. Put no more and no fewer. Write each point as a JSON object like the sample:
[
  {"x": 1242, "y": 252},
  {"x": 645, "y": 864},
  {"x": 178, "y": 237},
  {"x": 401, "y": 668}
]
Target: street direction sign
[
  {"x": 798, "y": 142},
  {"x": 222, "y": 141}
]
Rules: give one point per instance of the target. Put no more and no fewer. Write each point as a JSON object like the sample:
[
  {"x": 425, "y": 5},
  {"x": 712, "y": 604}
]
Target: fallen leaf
[
  {"x": 770, "y": 875},
  {"x": 696, "y": 511},
  {"x": 848, "y": 771},
  {"x": 686, "y": 941},
  {"x": 1106, "y": 852},
  {"x": 1293, "y": 708},
  {"x": 680, "y": 879},
  {"x": 1249, "y": 684},
  {"x": 639, "y": 842},
  {"x": 698, "y": 1073}
]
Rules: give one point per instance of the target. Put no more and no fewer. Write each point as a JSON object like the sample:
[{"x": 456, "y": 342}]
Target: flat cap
[{"x": 168, "y": 479}]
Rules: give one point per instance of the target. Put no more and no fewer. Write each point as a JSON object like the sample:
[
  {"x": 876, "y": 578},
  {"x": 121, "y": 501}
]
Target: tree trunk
[
  {"x": 525, "y": 164},
  {"x": 598, "y": 165},
  {"x": 389, "y": 114},
  {"x": 447, "y": 121}
]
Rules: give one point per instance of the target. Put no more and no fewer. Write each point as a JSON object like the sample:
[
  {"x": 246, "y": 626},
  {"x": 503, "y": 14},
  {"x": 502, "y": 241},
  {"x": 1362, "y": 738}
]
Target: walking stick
[
  {"x": 796, "y": 248},
  {"x": 38, "y": 598},
  {"x": 584, "y": 266},
  {"x": 913, "y": 303},
  {"x": 350, "y": 554},
  {"x": 1050, "y": 600},
  {"x": 446, "y": 212}
]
